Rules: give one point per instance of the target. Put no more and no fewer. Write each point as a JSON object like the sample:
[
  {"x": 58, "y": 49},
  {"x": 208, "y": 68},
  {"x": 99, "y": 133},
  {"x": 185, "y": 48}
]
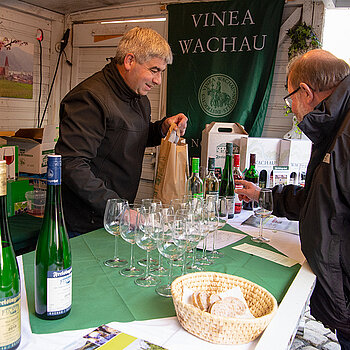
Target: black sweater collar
[{"x": 117, "y": 83}]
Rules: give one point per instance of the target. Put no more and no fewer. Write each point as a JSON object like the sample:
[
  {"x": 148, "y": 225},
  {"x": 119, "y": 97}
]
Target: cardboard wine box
[
  {"x": 295, "y": 153},
  {"x": 214, "y": 139},
  {"x": 33, "y": 147},
  {"x": 267, "y": 151}
]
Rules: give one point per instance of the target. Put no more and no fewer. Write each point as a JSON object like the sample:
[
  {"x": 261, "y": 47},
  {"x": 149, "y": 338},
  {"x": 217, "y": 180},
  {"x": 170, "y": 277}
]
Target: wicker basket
[{"x": 217, "y": 329}]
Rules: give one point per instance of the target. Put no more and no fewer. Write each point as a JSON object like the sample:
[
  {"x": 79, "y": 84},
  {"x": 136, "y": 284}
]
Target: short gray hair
[
  {"x": 318, "y": 68},
  {"x": 145, "y": 44}
]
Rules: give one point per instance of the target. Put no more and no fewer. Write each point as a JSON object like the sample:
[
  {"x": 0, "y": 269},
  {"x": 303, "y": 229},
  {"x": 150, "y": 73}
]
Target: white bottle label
[
  {"x": 10, "y": 321},
  {"x": 59, "y": 291}
]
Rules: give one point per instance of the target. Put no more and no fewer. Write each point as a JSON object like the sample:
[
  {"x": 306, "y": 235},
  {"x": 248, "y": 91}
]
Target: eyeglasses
[{"x": 288, "y": 100}]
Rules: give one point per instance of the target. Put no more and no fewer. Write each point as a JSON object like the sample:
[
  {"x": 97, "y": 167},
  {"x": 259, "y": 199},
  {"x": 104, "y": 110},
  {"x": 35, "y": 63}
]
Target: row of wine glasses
[{"x": 174, "y": 230}]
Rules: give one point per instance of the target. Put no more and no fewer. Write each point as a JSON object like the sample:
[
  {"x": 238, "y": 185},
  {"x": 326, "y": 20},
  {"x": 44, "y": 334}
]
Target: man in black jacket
[
  {"x": 105, "y": 125},
  {"x": 319, "y": 93}
]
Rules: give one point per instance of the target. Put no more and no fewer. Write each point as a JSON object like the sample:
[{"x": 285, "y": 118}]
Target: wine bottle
[
  {"x": 252, "y": 176},
  {"x": 10, "y": 287},
  {"x": 237, "y": 175},
  {"x": 194, "y": 183},
  {"x": 53, "y": 262},
  {"x": 262, "y": 179},
  {"x": 211, "y": 183},
  {"x": 227, "y": 186}
]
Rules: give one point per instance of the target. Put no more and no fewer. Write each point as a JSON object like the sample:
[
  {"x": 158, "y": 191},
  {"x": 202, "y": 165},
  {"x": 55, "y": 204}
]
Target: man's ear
[
  {"x": 129, "y": 61},
  {"x": 308, "y": 92}
]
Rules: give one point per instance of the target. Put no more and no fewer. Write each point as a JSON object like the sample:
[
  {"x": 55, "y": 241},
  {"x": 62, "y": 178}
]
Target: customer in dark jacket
[
  {"x": 105, "y": 125},
  {"x": 319, "y": 88}
]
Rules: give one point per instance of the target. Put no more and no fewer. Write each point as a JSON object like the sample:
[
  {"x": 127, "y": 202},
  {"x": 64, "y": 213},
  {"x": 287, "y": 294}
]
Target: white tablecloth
[{"x": 166, "y": 332}]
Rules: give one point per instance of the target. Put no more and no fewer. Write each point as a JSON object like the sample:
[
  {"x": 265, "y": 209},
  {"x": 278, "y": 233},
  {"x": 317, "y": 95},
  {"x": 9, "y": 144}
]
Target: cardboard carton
[
  {"x": 214, "y": 139},
  {"x": 267, "y": 152},
  {"x": 34, "y": 145},
  {"x": 295, "y": 153},
  {"x": 5, "y": 133}
]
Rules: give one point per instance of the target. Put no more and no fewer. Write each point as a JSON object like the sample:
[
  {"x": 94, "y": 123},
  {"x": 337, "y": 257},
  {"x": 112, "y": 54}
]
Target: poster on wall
[
  {"x": 16, "y": 68},
  {"x": 224, "y": 54}
]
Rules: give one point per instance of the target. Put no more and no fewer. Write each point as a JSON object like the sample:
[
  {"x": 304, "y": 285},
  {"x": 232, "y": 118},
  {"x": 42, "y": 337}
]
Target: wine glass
[
  {"x": 150, "y": 226},
  {"x": 111, "y": 221},
  {"x": 225, "y": 207},
  {"x": 210, "y": 202},
  {"x": 196, "y": 230},
  {"x": 128, "y": 226},
  {"x": 9, "y": 157},
  {"x": 193, "y": 203},
  {"x": 212, "y": 216},
  {"x": 171, "y": 243},
  {"x": 153, "y": 205},
  {"x": 150, "y": 203},
  {"x": 264, "y": 209},
  {"x": 167, "y": 212},
  {"x": 178, "y": 203}
]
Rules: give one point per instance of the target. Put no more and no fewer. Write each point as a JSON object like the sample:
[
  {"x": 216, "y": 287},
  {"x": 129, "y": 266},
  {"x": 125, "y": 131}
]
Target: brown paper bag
[{"x": 172, "y": 169}]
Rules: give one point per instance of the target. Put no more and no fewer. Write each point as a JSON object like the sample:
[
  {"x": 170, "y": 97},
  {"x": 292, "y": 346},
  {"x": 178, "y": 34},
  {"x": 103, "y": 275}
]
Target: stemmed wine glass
[
  {"x": 150, "y": 226},
  {"x": 111, "y": 220},
  {"x": 167, "y": 212},
  {"x": 128, "y": 227},
  {"x": 196, "y": 231},
  {"x": 171, "y": 243},
  {"x": 151, "y": 204},
  {"x": 264, "y": 209},
  {"x": 225, "y": 206},
  {"x": 9, "y": 157}
]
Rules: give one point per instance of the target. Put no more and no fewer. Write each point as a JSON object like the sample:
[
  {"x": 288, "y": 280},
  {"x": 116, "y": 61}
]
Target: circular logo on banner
[{"x": 218, "y": 95}]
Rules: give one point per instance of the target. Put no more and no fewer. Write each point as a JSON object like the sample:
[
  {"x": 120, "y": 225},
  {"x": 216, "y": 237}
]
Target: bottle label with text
[
  {"x": 10, "y": 321},
  {"x": 59, "y": 291}
]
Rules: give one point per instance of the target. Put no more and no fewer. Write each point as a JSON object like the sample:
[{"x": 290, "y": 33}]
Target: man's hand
[
  {"x": 248, "y": 192},
  {"x": 179, "y": 119}
]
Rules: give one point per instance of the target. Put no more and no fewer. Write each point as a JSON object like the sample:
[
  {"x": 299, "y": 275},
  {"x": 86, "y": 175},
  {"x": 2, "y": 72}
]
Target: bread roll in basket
[{"x": 217, "y": 329}]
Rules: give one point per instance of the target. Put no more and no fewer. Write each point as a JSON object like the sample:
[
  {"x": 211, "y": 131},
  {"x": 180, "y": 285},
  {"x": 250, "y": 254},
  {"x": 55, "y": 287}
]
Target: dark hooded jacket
[
  {"x": 323, "y": 207},
  {"x": 104, "y": 129}
]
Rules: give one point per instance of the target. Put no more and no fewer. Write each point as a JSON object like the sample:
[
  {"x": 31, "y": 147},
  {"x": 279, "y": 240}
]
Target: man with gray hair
[
  {"x": 319, "y": 95},
  {"x": 105, "y": 126}
]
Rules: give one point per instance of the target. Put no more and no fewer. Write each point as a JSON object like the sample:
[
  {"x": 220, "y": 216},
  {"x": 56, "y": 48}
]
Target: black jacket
[
  {"x": 323, "y": 207},
  {"x": 104, "y": 129}
]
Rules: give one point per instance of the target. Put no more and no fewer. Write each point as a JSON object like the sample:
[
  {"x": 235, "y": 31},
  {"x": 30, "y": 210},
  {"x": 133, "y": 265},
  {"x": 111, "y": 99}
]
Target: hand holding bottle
[{"x": 250, "y": 191}]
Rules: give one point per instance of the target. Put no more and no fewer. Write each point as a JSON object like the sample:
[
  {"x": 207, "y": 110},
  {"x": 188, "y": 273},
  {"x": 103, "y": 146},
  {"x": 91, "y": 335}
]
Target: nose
[{"x": 157, "y": 78}]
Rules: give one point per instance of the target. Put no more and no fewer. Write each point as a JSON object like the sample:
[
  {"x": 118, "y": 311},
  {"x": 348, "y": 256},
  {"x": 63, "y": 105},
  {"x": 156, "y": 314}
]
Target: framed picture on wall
[{"x": 16, "y": 68}]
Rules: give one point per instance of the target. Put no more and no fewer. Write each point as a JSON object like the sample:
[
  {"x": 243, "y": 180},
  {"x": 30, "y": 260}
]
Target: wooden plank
[{"x": 293, "y": 19}]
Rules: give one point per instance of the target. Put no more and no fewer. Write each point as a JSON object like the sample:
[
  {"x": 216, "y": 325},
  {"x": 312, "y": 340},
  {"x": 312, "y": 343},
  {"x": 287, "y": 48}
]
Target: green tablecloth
[{"x": 102, "y": 295}]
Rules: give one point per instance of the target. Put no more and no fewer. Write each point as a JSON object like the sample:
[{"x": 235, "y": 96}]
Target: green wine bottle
[
  {"x": 251, "y": 175},
  {"x": 227, "y": 185},
  {"x": 53, "y": 262},
  {"x": 211, "y": 183},
  {"x": 10, "y": 287},
  {"x": 194, "y": 183}
]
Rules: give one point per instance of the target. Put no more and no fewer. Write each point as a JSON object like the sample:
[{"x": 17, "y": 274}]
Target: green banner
[{"x": 224, "y": 55}]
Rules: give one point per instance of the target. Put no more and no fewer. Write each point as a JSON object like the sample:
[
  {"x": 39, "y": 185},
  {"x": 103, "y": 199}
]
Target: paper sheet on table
[
  {"x": 224, "y": 238},
  {"x": 265, "y": 254},
  {"x": 274, "y": 223}
]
